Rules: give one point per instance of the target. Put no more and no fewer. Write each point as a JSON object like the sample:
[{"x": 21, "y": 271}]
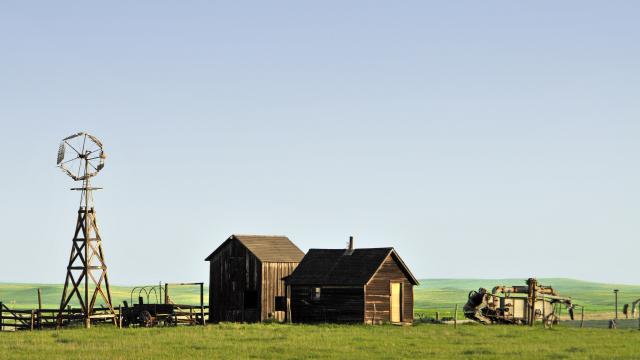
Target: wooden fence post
[
  {"x": 437, "y": 316},
  {"x": 455, "y": 317},
  {"x": 33, "y": 318},
  {"x": 287, "y": 294},
  {"x": 1, "y": 320},
  {"x": 202, "y": 304},
  {"x": 582, "y": 318},
  {"x": 39, "y": 309},
  {"x": 544, "y": 313}
]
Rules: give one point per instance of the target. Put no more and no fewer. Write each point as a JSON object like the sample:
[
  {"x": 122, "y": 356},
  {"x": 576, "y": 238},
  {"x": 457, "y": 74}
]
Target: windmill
[{"x": 81, "y": 157}]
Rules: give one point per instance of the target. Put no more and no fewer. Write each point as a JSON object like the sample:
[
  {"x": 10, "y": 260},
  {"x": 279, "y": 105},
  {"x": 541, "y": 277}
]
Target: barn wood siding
[
  {"x": 378, "y": 293},
  {"x": 233, "y": 264},
  {"x": 407, "y": 296},
  {"x": 336, "y": 304},
  {"x": 272, "y": 286}
]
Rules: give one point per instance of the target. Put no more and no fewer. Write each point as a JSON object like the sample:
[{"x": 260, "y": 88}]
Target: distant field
[
  {"x": 432, "y": 295},
  {"x": 277, "y": 341}
]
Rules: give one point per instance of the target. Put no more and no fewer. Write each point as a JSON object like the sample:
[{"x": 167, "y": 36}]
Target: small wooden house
[
  {"x": 245, "y": 278},
  {"x": 368, "y": 286}
]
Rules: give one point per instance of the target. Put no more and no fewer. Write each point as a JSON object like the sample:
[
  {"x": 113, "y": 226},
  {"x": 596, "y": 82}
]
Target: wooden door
[{"x": 396, "y": 301}]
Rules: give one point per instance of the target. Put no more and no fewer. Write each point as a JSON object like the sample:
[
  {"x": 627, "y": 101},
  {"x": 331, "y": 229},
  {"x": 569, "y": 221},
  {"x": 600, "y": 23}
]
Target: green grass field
[
  {"x": 279, "y": 341},
  {"x": 338, "y": 341}
]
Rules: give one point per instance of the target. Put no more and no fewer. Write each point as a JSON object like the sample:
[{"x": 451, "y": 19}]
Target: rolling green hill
[{"x": 432, "y": 294}]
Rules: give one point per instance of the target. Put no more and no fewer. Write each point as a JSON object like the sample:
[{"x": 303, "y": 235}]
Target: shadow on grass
[{"x": 477, "y": 352}]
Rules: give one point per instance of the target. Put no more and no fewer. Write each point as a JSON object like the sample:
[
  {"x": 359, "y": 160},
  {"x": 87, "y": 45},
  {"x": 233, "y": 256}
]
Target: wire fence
[{"x": 582, "y": 317}]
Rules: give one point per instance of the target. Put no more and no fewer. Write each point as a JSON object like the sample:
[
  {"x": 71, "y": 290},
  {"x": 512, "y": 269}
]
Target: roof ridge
[
  {"x": 267, "y": 248},
  {"x": 359, "y": 248},
  {"x": 253, "y": 235}
]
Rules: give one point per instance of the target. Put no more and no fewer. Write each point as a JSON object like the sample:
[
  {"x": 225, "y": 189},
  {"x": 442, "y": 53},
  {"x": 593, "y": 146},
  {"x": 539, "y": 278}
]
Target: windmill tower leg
[
  {"x": 97, "y": 270},
  {"x": 75, "y": 270}
]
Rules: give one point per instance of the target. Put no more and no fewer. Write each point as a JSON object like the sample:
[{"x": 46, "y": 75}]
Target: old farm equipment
[
  {"x": 633, "y": 307},
  {"x": 161, "y": 311},
  {"x": 81, "y": 157},
  {"x": 517, "y": 304}
]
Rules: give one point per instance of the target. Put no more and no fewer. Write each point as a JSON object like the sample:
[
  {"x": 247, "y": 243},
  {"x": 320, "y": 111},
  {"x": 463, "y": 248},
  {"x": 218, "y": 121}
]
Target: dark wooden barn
[
  {"x": 245, "y": 278},
  {"x": 369, "y": 286}
]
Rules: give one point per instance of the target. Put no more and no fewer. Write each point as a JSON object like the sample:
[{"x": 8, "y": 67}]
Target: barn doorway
[{"x": 396, "y": 302}]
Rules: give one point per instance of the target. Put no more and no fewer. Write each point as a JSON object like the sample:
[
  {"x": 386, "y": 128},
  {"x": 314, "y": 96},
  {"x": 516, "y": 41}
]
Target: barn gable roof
[
  {"x": 333, "y": 267},
  {"x": 266, "y": 248}
]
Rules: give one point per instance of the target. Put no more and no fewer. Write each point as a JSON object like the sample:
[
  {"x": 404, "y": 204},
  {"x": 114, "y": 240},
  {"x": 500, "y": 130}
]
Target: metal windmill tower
[{"x": 81, "y": 156}]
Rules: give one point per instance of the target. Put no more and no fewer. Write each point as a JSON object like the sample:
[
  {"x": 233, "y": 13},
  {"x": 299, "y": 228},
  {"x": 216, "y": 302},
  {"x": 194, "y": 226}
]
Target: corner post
[
  {"x": 202, "y": 304},
  {"x": 288, "y": 299},
  {"x": 39, "y": 309},
  {"x": 532, "y": 294}
]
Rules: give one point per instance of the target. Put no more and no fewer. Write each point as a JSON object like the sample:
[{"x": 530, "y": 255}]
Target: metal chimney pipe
[{"x": 350, "y": 248}]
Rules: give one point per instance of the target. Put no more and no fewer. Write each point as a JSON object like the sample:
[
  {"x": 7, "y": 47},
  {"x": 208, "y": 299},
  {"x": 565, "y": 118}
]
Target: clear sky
[{"x": 478, "y": 138}]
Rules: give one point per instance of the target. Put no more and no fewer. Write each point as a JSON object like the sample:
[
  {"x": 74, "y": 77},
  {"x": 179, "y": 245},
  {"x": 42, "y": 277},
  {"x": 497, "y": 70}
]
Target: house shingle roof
[
  {"x": 266, "y": 248},
  {"x": 333, "y": 267}
]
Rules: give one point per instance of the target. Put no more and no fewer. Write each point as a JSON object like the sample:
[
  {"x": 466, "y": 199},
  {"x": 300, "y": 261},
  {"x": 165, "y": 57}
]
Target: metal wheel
[
  {"x": 551, "y": 320},
  {"x": 145, "y": 319},
  {"x": 172, "y": 320}
]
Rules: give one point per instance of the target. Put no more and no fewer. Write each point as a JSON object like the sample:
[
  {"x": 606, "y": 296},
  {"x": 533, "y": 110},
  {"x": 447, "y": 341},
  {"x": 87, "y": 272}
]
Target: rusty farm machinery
[
  {"x": 159, "y": 309},
  {"x": 522, "y": 305},
  {"x": 631, "y": 309}
]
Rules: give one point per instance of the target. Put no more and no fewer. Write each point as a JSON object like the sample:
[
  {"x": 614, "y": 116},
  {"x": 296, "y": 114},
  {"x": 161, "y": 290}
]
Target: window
[
  {"x": 281, "y": 303},
  {"x": 250, "y": 299},
  {"x": 315, "y": 293}
]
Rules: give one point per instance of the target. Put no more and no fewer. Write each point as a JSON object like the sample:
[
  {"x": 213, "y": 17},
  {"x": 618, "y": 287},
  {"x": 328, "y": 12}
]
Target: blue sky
[{"x": 481, "y": 139}]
